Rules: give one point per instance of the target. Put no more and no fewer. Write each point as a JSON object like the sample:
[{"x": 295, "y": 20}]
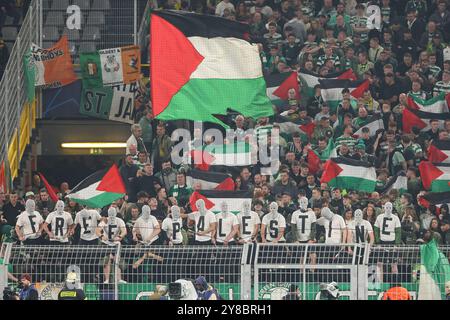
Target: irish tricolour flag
[
  {"x": 434, "y": 176},
  {"x": 203, "y": 66},
  {"x": 332, "y": 90},
  {"x": 349, "y": 174},
  {"x": 99, "y": 189},
  {"x": 213, "y": 200},
  {"x": 434, "y": 272}
]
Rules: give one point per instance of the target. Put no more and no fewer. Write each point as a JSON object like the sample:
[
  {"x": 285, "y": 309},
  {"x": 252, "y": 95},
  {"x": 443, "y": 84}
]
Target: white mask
[
  {"x": 303, "y": 202},
  {"x": 358, "y": 217},
  {"x": 146, "y": 211},
  {"x": 175, "y": 212},
  {"x": 112, "y": 214},
  {"x": 326, "y": 213},
  {"x": 30, "y": 206},
  {"x": 201, "y": 206},
  {"x": 273, "y": 209},
  {"x": 388, "y": 209},
  {"x": 224, "y": 208},
  {"x": 246, "y": 208},
  {"x": 60, "y": 207}
]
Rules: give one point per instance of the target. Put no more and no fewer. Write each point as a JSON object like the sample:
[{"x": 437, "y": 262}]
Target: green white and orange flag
[{"x": 203, "y": 66}]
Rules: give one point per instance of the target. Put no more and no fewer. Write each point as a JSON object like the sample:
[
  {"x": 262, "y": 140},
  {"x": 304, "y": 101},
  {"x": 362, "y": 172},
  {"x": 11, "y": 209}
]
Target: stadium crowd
[{"x": 408, "y": 56}]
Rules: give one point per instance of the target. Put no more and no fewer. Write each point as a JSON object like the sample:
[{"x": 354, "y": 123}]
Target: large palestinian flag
[
  {"x": 349, "y": 174},
  {"x": 202, "y": 66},
  {"x": 279, "y": 84},
  {"x": 436, "y": 104},
  {"x": 374, "y": 124},
  {"x": 214, "y": 198},
  {"x": 420, "y": 119},
  {"x": 435, "y": 177},
  {"x": 439, "y": 151},
  {"x": 332, "y": 90},
  {"x": 309, "y": 79},
  {"x": 210, "y": 180},
  {"x": 99, "y": 189}
]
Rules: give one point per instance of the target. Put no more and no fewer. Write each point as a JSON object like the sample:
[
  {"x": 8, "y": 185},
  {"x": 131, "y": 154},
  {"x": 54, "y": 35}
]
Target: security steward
[{"x": 70, "y": 290}]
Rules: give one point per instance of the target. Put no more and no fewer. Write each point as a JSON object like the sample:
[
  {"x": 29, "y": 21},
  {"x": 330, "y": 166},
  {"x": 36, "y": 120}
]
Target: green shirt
[{"x": 182, "y": 194}]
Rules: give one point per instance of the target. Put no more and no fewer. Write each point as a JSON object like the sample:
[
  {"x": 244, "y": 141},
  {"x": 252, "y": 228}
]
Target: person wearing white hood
[
  {"x": 146, "y": 228},
  {"x": 172, "y": 227},
  {"x": 30, "y": 224},
  {"x": 360, "y": 230},
  {"x": 335, "y": 228},
  {"x": 88, "y": 220},
  {"x": 303, "y": 223},
  {"x": 388, "y": 228},
  {"x": 61, "y": 223},
  {"x": 227, "y": 226},
  {"x": 273, "y": 226},
  {"x": 249, "y": 223},
  {"x": 205, "y": 224}
]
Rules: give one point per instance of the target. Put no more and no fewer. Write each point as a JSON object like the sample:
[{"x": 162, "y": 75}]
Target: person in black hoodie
[
  {"x": 128, "y": 170},
  {"x": 146, "y": 181}
]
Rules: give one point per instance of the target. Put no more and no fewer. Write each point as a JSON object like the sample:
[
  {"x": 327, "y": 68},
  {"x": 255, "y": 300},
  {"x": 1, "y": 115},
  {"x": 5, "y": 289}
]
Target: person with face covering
[
  {"x": 273, "y": 226},
  {"x": 172, "y": 227},
  {"x": 61, "y": 224},
  {"x": 303, "y": 223},
  {"x": 227, "y": 226},
  {"x": 88, "y": 220},
  {"x": 30, "y": 224},
  {"x": 388, "y": 228},
  {"x": 146, "y": 229},
  {"x": 335, "y": 227},
  {"x": 360, "y": 230},
  {"x": 249, "y": 223},
  {"x": 205, "y": 224}
]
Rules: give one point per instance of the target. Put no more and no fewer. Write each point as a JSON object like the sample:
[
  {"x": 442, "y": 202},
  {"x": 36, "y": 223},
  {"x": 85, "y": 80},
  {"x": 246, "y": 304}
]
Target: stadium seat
[
  {"x": 87, "y": 47},
  {"x": 96, "y": 18},
  {"x": 60, "y": 5},
  {"x": 54, "y": 19},
  {"x": 91, "y": 33},
  {"x": 83, "y": 4},
  {"x": 50, "y": 33},
  {"x": 9, "y": 33},
  {"x": 101, "y": 5}
]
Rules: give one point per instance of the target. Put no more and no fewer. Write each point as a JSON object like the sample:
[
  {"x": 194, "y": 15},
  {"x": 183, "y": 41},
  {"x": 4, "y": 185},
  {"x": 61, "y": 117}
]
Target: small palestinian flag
[
  {"x": 310, "y": 79},
  {"x": 349, "y": 174},
  {"x": 415, "y": 118},
  {"x": 332, "y": 90},
  {"x": 290, "y": 127},
  {"x": 374, "y": 124},
  {"x": 436, "y": 104},
  {"x": 439, "y": 151},
  {"x": 210, "y": 180},
  {"x": 99, "y": 189},
  {"x": 214, "y": 198},
  {"x": 398, "y": 182},
  {"x": 202, "y": 66},
  {"x": 278, "y": 86},
  {"x": 435, "y": 198},
  {"x": 435, "y": 177},
  {"x": 233, "y": 154}
]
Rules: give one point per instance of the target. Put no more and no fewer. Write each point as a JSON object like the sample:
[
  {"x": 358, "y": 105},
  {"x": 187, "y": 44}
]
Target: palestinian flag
[
  {"x": 434, "y": 272},
  {"x": 290, "y": 127},
  {"x": 398, "y": 182},
  {"x": 436, "y": 104},
  {"x": 210, "y": 180},
  {"x": 374, "y": 124},
  {"x": 202, "y": 66},
  {"x": 50, "y": 189},
  {"x": 214, "y": 198},
  {"x": 278, "y": 86},
  {"x": 233, "y": 154},
  {"x": 420, "y": 119},
  {"x": 439, "y": 151},
  {"x": 349, "y": 174},
  {"x": 332, "y": 90},
  {"x": 309, "y": 79},
  {"x": 99, "y": 189},
  {"x": 435, "y": 177},
  {"x": 329, "y": 152},
  {"x": 313, "y": 161},
  {"x": 435, "y": 198}
]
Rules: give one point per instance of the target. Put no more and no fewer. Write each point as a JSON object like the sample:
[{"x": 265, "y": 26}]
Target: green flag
[
  {"x": 110, "y": 103},
  {"x": 30, "y": 75}
]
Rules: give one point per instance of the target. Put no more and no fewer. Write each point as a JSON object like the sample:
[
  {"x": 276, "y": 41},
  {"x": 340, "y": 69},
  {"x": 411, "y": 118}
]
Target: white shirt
[
  {"x": 88, "y": 224},
  {"x": 60, "y": 224},
  {"x": 221, "y": 6},
  {"x": 333, "y": 229},
  {"x": 247, "y": 224},
  {"x": 146, "y": 228},
  {"x": 131, "y": 140},
  {"x": 202, "y": 223},
  {"x": 173, "y": 229},
  {"x": 304, "y": 222},
  {"x": 446, "y": 52},
  {"x": 225, "y": 226},
  {"x": 273, "y": 226},
  {"x": 30, "y": 224},
  {"x": 360, "y": 233},
  {"x": 111, "y": 230},
  {"x": 387, "y": 226}
]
